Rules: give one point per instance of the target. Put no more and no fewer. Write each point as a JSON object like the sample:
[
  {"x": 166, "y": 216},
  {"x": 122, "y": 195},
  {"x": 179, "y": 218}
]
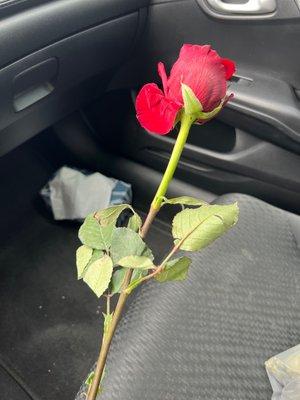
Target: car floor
[{"x": 50, "y": 322}]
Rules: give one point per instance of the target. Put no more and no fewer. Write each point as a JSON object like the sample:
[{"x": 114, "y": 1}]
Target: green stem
[{"x": 186, "y": 123}]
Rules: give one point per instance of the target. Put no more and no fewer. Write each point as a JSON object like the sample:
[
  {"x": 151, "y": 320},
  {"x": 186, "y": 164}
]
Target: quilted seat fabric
[{"x": 208, "y": 337}]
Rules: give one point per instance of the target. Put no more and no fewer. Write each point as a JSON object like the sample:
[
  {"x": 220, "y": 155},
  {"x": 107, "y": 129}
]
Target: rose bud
[{"x": 196, "y": 86}]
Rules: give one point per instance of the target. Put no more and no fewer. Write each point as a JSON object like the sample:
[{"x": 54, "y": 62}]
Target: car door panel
[
  {"x": 57, "y": 56},
  {"x": 264, "y": 115}
]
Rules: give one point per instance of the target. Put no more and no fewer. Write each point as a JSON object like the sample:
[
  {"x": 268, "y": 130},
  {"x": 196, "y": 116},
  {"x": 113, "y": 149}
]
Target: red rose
[{"x": 200, "y": 69}]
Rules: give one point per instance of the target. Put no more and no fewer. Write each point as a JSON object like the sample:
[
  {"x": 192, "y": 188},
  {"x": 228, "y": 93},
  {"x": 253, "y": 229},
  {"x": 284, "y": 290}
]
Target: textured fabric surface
[{"x": 208, "y": 337}]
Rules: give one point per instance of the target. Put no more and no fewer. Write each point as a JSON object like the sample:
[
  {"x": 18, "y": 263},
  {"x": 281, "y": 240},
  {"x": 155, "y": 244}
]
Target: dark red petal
[
  {"x": 229, "y": 67},
  {"x": 163, "y": 76},
  {"x": 193, "y": 50},
  {"x": 154, "y": 111},
  {"x": 200, "y": 68}
]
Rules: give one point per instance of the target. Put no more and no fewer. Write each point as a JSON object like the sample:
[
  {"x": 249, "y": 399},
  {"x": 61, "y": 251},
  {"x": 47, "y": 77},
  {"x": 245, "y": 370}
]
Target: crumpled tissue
[{"x": 73, "y": 194}]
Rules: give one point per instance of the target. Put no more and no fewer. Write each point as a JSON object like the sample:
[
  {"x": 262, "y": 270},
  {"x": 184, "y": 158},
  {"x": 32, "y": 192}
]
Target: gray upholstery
[{"x": 208, "y": 337}]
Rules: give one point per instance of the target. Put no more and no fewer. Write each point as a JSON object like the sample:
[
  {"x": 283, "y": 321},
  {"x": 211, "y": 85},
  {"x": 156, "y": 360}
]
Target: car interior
[{"x": 69, "y": 75}]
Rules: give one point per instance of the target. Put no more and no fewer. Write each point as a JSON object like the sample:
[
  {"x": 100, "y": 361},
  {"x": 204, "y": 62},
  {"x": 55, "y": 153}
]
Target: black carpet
[{"x": 50, "y": 323}]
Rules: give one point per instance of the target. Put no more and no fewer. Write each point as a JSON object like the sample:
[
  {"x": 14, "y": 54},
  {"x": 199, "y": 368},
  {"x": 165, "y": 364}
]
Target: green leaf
[
  {"x": 140, "y": 262},
  {"x": 95, "y": 256},
  {"x": 148, "y": 253},
  {"x": 134, "y": 222},
  {"x": 192, "y": 105},
  {"x": 133, "y": 284},
  {"x": 136, "y": 279},
  {"x": 107, "y": 321},
  {"x": 184, "y": 200},
  {"x": 83, "y": 256},
  {"x": 138, "y": 273},
  {"x": 93, "y": 235},
  {"x": 199, "y": 227},
  {"x": 119, "y": 275},
  {"x": 90, "y": 378},
  {"x": 174, "y": 270},
  {"x": 117, "y": 280},
  {"x": 126, "y": 242},
  {"x": 110, "y": 215},
  {"x": 98, "y": 275}
]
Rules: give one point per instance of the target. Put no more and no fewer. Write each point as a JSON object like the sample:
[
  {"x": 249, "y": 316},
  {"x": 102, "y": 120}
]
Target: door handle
[{"x": 250, "y": 7}]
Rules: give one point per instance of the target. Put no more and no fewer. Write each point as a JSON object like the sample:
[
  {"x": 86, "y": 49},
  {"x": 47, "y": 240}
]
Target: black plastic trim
[
  {"x": 38, "y": 27},
  {"x": 270, "y": 100},
  {"x": 85, "y": 65},
  {"x": 285, "y": 9}
]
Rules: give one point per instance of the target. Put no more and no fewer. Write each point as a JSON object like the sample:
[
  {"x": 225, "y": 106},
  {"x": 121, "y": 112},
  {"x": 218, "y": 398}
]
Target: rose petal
[
  {"x": 200, "y": 68},
  {"x": 229, "y": 67},
  {"x": 155, "y": 112},
  {"x": 163, "y": 76}
]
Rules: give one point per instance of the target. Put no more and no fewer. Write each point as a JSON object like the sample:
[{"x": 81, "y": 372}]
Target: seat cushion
[{"x": 208, "y": 337}]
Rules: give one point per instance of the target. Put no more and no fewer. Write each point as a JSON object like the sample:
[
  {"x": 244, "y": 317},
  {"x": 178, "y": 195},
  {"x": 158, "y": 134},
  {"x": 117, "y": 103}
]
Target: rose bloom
[{"x": 198, "y": 67}]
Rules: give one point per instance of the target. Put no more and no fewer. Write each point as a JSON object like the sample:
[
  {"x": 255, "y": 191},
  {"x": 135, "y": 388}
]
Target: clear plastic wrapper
[{"x": 284, "y": 374}]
